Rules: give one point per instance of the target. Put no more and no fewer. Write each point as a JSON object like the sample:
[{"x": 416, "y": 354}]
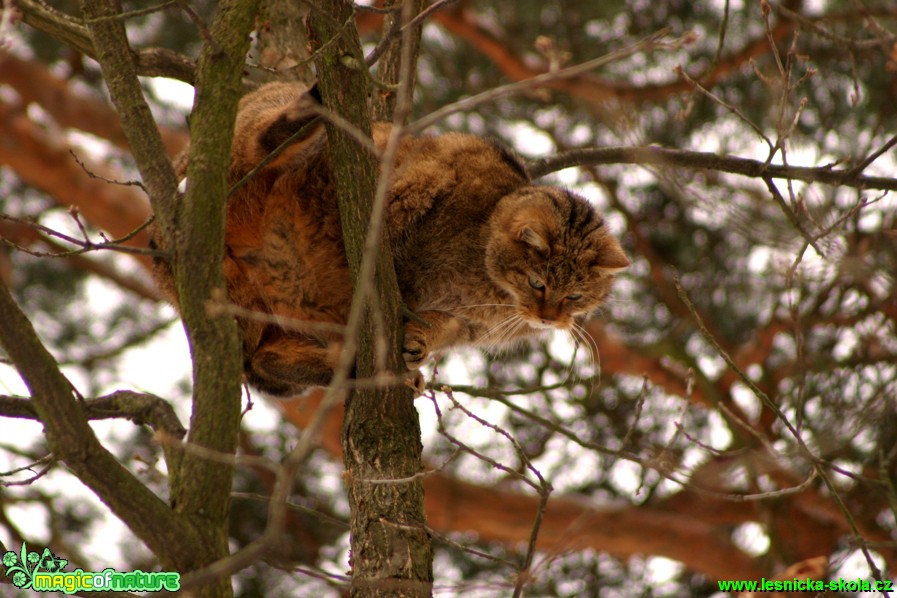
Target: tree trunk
[
  {"x": 194, "y": 229},
  {"x": 391, "y": 553}
]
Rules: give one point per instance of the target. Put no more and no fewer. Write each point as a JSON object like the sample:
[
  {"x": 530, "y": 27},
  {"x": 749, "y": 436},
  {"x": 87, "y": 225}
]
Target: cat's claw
[{"x": 417, "y": 384}]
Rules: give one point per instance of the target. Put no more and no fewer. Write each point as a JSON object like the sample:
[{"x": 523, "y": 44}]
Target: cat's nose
[{"x": 549, "y": 315}]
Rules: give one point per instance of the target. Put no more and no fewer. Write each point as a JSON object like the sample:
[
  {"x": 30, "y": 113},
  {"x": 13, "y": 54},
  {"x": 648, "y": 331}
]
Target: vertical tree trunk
[
  {"x": 389, "y": 68},
  {"x": 391, "y": 551},
  {"x": 281, "y": 42},
  {"x": 194, "y": 229},
  {"x": 201, "y": 491}
]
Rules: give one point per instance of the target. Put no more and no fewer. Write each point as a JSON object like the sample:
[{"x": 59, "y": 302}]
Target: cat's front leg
[{"x": 441, "y": 330}]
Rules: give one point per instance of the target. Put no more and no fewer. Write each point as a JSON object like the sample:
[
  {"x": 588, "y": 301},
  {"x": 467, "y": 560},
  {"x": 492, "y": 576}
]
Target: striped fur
[{"x": 481, "y": 254}]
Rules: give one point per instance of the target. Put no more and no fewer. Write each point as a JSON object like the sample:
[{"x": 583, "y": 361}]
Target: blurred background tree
[{"x": 732, "y": 413}]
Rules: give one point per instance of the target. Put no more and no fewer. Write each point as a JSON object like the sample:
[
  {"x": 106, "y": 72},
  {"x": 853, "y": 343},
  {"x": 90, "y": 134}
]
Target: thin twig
[
  {"x": 649, "y": 43},
  {"x": 85, "y": 245},
  {"x": 201, "y": 26},
  {"x": 219, "y": 305},
  {"x": 47, "y": 460},
  {"x": 427, "y": 12},
  {"x": 303, "y": 131},
  {"x": 472, "y": 451},
  {"x": 875, "y": 155},
  {"x": 543, "y": 487},
  {"x": 414, "y": 477},
  {"x": 812, "y": 25},
  {"x": 640, "y": 402},
  {"x": 731, "y": 108},
  {"x": 795, "y": 221},
  {"x": 93, "y": 175}
]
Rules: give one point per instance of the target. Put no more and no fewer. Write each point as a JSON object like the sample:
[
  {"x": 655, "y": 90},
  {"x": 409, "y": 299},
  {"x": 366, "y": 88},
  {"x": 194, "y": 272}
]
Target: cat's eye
[
  {"x": 536, "y": 283},
  {"x": 574, "y": 297}
]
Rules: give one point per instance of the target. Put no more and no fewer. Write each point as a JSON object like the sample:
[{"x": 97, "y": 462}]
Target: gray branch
[{"x": 673, "y": 158}]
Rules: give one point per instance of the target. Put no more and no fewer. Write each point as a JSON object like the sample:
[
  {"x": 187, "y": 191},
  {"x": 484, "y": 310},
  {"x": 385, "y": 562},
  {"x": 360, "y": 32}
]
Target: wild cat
[{"x": 482, "y": 255}]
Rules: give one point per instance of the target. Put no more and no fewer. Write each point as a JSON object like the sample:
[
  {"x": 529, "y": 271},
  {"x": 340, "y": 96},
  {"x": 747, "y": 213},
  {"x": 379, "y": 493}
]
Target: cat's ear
[
  {"x": 528, "y": 235},
  {"x": 611, "y": 258}
]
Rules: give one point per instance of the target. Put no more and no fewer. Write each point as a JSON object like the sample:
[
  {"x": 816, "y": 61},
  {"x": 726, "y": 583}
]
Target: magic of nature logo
[{"x": 43, "y": 572}]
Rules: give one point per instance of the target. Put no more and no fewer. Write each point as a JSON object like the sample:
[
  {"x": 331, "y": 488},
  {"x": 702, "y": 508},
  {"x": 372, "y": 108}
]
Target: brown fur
[{"x": 474, "y": 244}]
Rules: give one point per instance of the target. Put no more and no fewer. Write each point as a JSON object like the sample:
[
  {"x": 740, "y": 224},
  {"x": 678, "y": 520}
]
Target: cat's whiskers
[
  {"x": 510, "y": 331},
  {"x": 584, "y": 338},
  {"x": 506, "y": 335},
  {"x": 500, "y": 331},
  {"x": 494, "y": 335},
  {"x": 496, "y": 328},
  {"x": 614, "y": 300},
  {"x": 572, "y": 373},
  {"x": 475, "y": 305},
  {"x": 480, "y": 340}
]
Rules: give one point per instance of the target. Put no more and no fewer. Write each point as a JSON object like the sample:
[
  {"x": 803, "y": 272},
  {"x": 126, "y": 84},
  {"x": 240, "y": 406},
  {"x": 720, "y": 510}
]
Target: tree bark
[
  {"x": 194, "y": 232},
  {"x": 202, "y": 489},
  {"x": 282, "y": 46},
  {"x": 391, "y": 553},
  {"x": 389, "y": 68}
]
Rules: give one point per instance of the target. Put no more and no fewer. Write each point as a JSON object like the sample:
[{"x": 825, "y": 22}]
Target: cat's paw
[
  {"x": 417, "y": 383},
  {"x": 414, "y": 349}
]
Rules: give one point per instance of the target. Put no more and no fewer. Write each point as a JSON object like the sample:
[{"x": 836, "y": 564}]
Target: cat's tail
[{"x": 278, "y": 123}]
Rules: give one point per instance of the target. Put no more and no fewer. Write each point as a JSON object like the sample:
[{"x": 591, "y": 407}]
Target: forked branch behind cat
[{"x": 482, "y": 255}]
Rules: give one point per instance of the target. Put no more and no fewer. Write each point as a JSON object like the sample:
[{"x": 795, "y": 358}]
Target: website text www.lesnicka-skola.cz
[{"x": 806, "y": 585}]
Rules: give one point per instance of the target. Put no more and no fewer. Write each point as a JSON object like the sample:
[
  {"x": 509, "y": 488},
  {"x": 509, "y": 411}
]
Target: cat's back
[
  {"x": 448, "y": 183},
  {"x": 445, "y": 190}
]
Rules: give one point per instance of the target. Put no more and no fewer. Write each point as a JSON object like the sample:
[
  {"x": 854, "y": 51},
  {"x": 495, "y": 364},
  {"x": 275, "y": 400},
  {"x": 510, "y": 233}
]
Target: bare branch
[
  {"x": 153, "y": 62},
  {"x": 140, "y": 408},
  {"x": 673, "y": 158},
  {"x": 72, "y": 441},
  {"x": 85, "y": 244}
]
